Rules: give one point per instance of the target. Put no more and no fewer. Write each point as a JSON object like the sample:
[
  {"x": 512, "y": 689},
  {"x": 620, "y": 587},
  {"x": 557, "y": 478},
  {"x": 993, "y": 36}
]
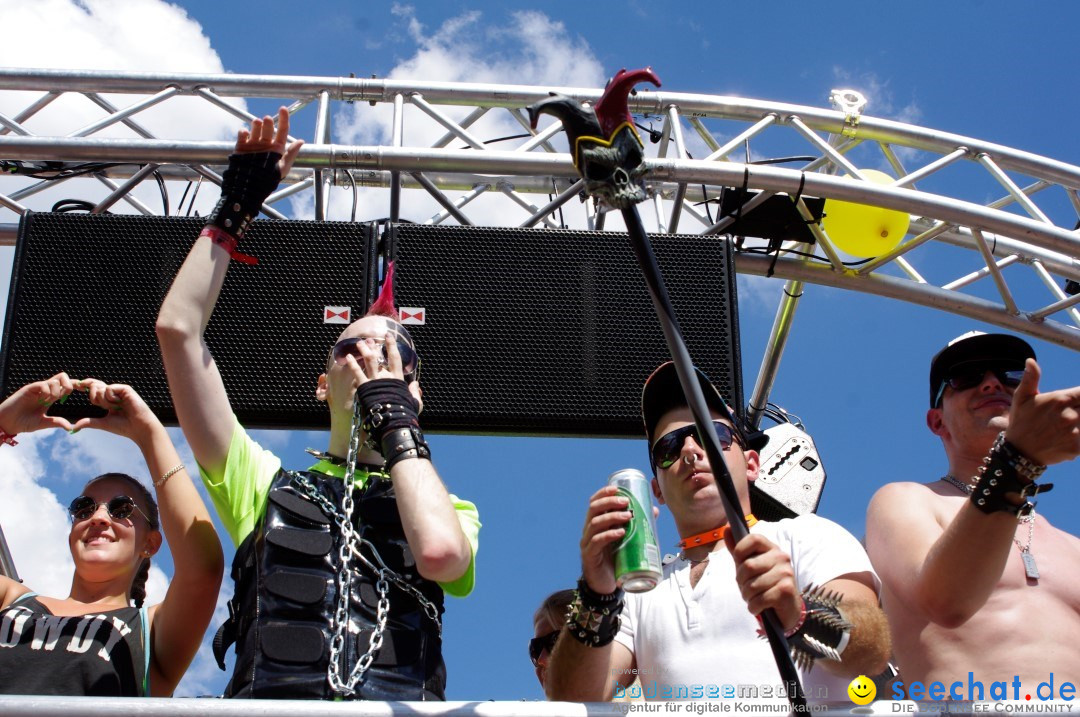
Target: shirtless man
[{"x": 984, "y": 588}]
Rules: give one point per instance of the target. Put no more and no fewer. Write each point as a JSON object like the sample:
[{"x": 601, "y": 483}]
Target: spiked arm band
[
  {"x": 593, "y": 619},
  {"x": 245, "y": 185},
  {"x": 822, "y": 631},
  {"x": 1007, "y": 470}
]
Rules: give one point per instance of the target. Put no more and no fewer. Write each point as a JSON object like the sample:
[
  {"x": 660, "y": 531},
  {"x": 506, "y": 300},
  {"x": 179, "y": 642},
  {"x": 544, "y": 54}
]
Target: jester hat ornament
[{"x": 605, "y": 146}]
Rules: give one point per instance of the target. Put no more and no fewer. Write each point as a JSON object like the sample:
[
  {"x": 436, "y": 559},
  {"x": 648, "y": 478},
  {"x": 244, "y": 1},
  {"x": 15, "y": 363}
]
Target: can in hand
[{"x": 637, "y": 556}]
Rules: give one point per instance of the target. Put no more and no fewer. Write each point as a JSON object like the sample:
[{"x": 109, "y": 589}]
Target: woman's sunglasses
[
  {"x": 537, "y": 645},
  {"x": 120, "y": 508},
  {"x": 410, "y": 361},
  {"x": 970, "y": 377},
  {"x": 667, "y": 448}
]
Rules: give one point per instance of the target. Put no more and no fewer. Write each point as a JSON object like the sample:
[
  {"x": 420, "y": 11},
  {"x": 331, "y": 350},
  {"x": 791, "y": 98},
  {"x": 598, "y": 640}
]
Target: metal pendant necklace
[{"x": 1031, "y": 570}]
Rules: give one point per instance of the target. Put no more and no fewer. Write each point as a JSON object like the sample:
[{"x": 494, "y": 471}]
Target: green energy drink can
[{"x": 637, "y": 556}]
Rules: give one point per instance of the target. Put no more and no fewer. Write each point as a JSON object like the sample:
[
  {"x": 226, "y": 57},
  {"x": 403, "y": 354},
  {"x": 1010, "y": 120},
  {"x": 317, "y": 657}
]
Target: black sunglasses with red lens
[
  {"x": 538, "y": 645},
  {"x": 963, "y": 378},
  {"x": 120, "y": 508},
  {"x": 410, "y": 361},
  {"x": 667, "y": 448}
]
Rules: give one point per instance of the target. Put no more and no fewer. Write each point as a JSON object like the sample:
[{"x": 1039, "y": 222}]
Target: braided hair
[{"x": 137, "y": 592}]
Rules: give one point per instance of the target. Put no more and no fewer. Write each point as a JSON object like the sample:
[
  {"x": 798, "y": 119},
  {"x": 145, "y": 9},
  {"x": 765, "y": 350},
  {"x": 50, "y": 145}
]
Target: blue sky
[{"x": 855, "y": 368}]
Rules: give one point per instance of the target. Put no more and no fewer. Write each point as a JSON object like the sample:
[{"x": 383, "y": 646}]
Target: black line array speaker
[
  {"x": 86, "y": 289},
  {"x": 552, "y": 332}
]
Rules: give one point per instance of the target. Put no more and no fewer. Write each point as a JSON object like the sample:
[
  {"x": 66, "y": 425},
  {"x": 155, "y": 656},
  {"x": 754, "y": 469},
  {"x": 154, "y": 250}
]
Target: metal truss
[{"x": 992, "y": 232}]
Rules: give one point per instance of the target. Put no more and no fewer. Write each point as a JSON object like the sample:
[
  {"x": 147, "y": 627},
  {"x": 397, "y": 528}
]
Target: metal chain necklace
[
  {"x": 1031, "y": 570},
  {"x": 351, "y": 546}
]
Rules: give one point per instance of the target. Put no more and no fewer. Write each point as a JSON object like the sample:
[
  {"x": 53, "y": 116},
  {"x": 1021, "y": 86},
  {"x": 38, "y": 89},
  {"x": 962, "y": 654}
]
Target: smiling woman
[{"x": 101, "y": 639}]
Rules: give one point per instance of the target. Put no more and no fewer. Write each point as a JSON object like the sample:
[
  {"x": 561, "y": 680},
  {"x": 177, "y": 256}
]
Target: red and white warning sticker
[
  {"x": 337, "y": 314},
  {"x": 413, "y": 315}
]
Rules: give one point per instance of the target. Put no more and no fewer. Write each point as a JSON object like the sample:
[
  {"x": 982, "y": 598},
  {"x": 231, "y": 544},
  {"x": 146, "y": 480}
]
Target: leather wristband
[
  {"x": 403, "y": 443},
  {"x": 822, "y": 632},
  {"x": 245, "y": 185},
  {"x": 1006, "y": 470},
  {"x": 592, "y": 618},
  {"x": 385, "y": 405}
]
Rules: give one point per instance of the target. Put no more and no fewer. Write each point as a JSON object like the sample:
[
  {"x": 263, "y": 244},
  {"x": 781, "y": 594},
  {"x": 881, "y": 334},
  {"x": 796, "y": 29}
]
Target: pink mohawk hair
[{"x": 384, "y": 305}]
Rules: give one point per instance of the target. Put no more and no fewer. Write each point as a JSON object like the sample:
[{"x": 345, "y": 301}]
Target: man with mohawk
[{"x": 341, "y": 569}]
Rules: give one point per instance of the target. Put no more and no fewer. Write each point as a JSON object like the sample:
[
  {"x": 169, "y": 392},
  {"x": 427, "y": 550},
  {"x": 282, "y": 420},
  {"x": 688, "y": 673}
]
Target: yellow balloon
[{"x": 863, "y": 230}]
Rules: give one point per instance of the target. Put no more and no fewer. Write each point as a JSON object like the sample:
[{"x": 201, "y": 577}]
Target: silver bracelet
[{"x": 168, "y": 474}]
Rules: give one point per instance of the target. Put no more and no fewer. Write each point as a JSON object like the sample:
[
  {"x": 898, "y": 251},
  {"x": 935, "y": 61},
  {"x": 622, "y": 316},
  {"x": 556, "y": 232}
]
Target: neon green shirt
[{"x": 240, "y": 493}]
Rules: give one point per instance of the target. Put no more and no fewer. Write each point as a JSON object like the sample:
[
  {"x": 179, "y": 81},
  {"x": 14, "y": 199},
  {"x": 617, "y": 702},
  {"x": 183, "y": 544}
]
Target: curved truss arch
[{"x": 993, "y": 232}]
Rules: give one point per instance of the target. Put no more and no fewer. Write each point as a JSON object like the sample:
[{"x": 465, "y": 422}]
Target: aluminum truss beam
[{"x": 1011, "y": 262}]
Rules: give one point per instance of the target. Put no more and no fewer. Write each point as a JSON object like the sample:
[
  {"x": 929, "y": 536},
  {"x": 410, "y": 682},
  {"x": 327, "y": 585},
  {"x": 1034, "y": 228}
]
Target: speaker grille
[
  {"x": 86, "y": 290},
  {"x": 552, "y": 332}
]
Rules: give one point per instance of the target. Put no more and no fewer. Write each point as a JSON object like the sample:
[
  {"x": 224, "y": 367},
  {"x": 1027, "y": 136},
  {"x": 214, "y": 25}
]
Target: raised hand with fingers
[
  {"x": 1045, "y": 427},
  {"x": 128, "y": 415},
  {"x": 605, "y": 522},
  {"x": 25, "y": 410}
]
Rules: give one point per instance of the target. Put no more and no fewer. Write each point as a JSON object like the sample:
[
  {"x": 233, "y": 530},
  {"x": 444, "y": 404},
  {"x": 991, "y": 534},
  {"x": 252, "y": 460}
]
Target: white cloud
[
  {"x": 529, "y": 49},
  {"x": 33, "y": 518},
  {"x": 122, "y": 35}
]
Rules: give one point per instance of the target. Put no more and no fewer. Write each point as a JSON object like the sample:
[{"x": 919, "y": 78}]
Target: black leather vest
[{"x": 286, "y": 593}]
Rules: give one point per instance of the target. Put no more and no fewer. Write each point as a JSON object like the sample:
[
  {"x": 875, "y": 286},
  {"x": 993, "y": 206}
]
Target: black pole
[{"x": 695, "y": 400}]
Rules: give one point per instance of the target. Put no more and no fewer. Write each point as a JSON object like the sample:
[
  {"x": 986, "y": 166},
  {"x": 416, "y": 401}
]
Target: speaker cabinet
[
  {"x": 86, "y": 289},
  {"x": 552, "y": 332}
]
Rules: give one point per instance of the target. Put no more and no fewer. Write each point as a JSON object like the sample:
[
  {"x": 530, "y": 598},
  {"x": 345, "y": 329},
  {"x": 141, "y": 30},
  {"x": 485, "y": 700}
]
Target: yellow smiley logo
[{"x": 862, "y": 690}]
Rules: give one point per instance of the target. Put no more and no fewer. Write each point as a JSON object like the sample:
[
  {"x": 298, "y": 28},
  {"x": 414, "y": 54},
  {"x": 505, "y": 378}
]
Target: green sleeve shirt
[{"x": 240, "y": 493}]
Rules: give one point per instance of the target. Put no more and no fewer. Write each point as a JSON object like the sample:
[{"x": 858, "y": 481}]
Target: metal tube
[
  {"x": 111, "y": 108},
  {"x": 561, "y": 199},
  {"x": 908, "y": 180},
  {"x": 999, "y": 280},
  {"x": 827, "y": 149},
  {"x": 974, "y": 276},
  {"x": 459, "y": 131},
  {"x": 461, "y": 202},
  {"x": 133, "y": 201},
  {"x": 7, "y": 563},
  {"x": 13, "y": 126},
  {"x": 774, "y": 351},
  {"x": 1010, "y": 185},
  {"x": 695, "y": 400},
  {"x": 123, "y": 114},
  {"x": 746, "y": 134},
  {"x": 465, "y": 123},
  {"x": 441, "y": 198},
  {"x": 396, "y": 139},
  {"x": 1057, "y": 291},
  {"x": 42, "y": 706},
  {"x": 33, "y": 109},
  {"x": 123, "y": 189},
  {"x": 891, "y": 287},
  {"x": 532, "y": 163}
]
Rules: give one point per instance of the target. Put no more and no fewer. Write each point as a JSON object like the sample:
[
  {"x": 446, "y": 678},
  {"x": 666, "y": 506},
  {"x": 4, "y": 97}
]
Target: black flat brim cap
[
  {"x": 975, "y": 347},
  {"x": 663, "y": 392}
]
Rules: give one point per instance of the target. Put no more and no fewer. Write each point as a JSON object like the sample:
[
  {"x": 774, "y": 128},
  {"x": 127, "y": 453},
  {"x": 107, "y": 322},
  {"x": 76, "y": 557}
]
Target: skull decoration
[{"x": 605, "y": 146}]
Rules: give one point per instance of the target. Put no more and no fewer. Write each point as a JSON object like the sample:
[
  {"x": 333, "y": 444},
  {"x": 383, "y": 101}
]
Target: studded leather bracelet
[
  {"x": 1006, "y": 470},
  {"x": 593, "y": 618},
  {"x": 403, "y": 443}
]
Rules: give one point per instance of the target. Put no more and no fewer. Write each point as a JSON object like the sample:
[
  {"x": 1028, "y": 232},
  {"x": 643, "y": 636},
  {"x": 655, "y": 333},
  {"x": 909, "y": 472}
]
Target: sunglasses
[
  {"x": 965, "y": 378},
  {"x": 410, "y": 361},
  {"x": 667, "y": 448},
  {"x": 538, "y": 645},
  {"x": 120, "y": 508}
]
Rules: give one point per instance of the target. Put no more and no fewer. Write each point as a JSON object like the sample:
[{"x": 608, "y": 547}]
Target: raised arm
[
  {"x": 263, "y": 155},
  {"x": 583, "y": 673},
  {"x": 24, "y": 412},
  {"x": 944, "y": 564},
  {"x": 429, "y": 520},
  {"x": 179, "y": 621},
  {"x": 767, "y": 579}
]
